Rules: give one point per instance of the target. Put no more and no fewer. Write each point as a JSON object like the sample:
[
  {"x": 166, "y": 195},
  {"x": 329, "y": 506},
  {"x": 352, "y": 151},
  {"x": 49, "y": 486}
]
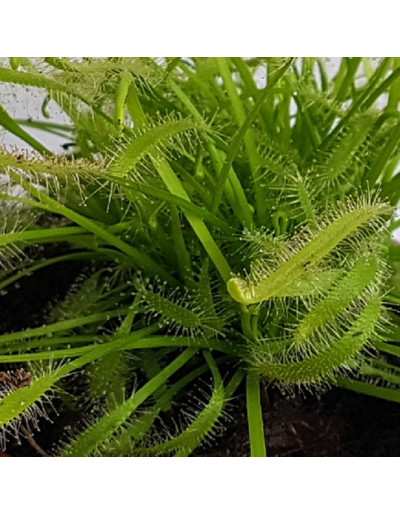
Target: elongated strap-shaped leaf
[
  {"x": 125, "y": 343},
  {"x": 346, "y": 291},
  {"x": 320, "y": 244},
  {"x": 311, "y": 283},
  {"x": 245, "y": 122},
  {"x": 23, "y": 399},
  {"x": 184, "y": 444},
  {"x": 20, "y": 400},
  {"x": 187, "y": 441},
  {"x": 324, "y": 364},
  {"x": 303, "y": 195},
  {"x": 96, "y": 434},
  {"x": 175, "y": 187},
  {"x": 199, "y": 227},
  {"x": 103, "y": 255},
  {"x": 38, "y": 235},
  {"x": 108, "y": 375},
  {"x": 61, "y": 326},
  {"x": 142, "y": 260},
  {"x": 200, "y": 212},
  {"x": 58, "y": 166},
  {"x": 124, "y": 441},
  {"x": 383, "y": 393},
  {"x": 147, "y": 143},
  {"x": 48, "y": 343},
  {"x": 238, "y": 108},
  {"x": 44, "y": 82},
  {"x": 343, "y": 153},
  {"x": 181, "y": 312},
  {"x": 12, "y": 126},
  {"x": 32, "y": 79},
  {"x": 366, "y": 98},
  {"x": 232, "y": 187},
  {"x": 383, "y": 158},
  {"x": 381, "y": 369}
]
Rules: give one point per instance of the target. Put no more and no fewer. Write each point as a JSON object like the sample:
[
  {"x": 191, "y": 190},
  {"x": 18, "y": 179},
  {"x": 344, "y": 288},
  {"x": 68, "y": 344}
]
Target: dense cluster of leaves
[{"x": 226, "y": 225}]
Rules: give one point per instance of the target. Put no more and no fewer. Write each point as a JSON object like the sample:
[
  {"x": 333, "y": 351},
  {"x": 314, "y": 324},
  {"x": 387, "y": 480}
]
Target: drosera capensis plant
[{"x": 228, "y": 231}]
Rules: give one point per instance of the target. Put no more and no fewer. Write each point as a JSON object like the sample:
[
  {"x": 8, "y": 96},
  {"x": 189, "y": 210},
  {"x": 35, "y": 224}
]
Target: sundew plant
[{"x": 232, "y": 232}]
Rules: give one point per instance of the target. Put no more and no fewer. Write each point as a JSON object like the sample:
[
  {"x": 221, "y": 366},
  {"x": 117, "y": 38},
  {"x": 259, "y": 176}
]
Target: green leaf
[
  {"x": 347, "y": 222},
  {"x": 12, "y": 126},
  {"x": 149, "y": 142},
  {"x": 87, "y": 442}
]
